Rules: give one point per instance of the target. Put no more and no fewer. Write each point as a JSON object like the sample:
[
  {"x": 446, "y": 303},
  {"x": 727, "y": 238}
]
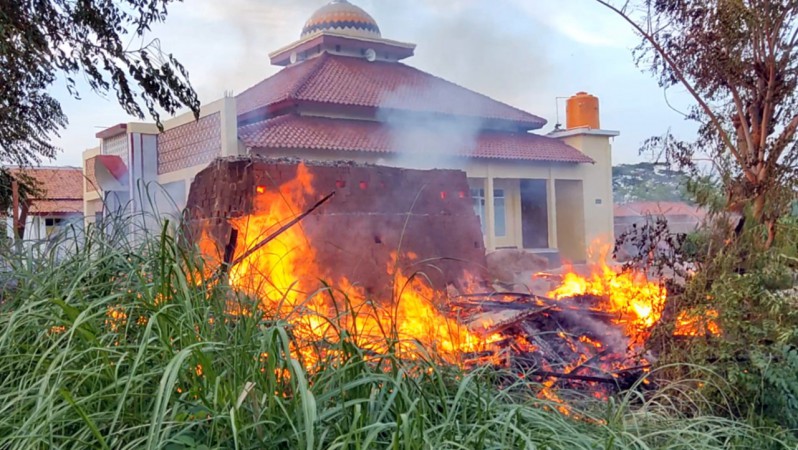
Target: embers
[{"x": 567, "y": 343}]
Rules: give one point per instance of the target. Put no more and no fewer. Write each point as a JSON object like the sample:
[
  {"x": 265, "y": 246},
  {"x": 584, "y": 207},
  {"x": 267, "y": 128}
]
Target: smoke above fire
[
  {"x": 475, "y": 44},
  {"x": 428, "y": 141}
]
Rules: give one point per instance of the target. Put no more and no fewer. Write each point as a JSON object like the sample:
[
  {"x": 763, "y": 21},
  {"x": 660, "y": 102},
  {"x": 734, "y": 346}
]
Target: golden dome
[{"x": 342, "y": 17}]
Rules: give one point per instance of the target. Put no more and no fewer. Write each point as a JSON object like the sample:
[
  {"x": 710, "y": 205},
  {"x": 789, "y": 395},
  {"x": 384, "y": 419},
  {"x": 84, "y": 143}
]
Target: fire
[
  {"x": 636, "y": 302},
  {"x": 691, "y": 324},
  {"x": 283, "y": 275}
]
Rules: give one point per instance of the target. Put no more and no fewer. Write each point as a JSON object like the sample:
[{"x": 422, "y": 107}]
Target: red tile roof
[
  {"x": 348, "y": 81},
  {"x": 61, "y": 187},
  {"x": 316, "y": 133},
  {"x": 55, "y": 207},
  {"x": 638, "y": 209}
]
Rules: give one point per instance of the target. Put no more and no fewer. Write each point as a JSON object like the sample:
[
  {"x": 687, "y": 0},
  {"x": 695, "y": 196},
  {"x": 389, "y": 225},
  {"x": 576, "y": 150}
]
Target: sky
[{"x": 527, "y": 53}]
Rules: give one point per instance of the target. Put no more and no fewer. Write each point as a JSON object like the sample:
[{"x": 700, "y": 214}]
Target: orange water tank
[{"x": 582, "y": 110}]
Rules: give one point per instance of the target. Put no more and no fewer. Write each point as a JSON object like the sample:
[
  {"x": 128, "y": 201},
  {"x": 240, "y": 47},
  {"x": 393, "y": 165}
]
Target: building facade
[
  {"x": 57, "y": 206},
  {"x": 344, "y": 93}
]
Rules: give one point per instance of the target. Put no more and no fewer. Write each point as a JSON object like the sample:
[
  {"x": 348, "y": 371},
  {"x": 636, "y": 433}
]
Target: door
[
  {"x": 534, "y": 214},
  {"x": 505, "y": 213}
]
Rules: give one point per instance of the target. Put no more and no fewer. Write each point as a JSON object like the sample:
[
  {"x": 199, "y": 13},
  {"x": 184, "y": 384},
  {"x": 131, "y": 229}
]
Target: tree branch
[
  {"x": 683, "y": 79},
  {"x": 738, "y": 103}
]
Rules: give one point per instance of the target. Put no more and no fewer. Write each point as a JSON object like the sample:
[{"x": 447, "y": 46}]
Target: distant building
[
  {"x": 681, "y": 217},
  {"x": 344, "y": 94},
  {"x": 59, "y": 204}
]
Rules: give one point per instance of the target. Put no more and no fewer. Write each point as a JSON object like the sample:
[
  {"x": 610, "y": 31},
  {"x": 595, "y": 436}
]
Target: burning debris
[
  {"x": 402, "y": 253},
  {"x": 385, "y": 238}
]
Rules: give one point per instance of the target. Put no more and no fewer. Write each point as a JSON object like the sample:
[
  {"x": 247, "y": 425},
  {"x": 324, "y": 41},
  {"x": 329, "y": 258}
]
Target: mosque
[{"x": 346, "y": 93}]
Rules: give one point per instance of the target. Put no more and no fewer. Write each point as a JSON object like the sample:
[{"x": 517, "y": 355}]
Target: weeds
[{"x": 121, "y": 342}]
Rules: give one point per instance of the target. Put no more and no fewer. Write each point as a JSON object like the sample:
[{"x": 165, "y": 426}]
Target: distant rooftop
[{"x": 62, "y": 189}]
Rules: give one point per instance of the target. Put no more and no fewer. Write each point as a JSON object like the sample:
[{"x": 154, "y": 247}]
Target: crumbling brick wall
[{"x": 425, "y": 216}]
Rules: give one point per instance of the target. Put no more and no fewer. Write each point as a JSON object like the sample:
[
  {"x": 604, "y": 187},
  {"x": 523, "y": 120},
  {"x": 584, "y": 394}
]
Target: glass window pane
[
  {"x": 500, "y": 213},
  {"x": 478, "y": 199}
]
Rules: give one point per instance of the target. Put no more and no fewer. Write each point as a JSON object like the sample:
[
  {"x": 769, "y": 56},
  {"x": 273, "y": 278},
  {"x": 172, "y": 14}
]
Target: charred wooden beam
[
  {"x": 573, "y": 377},
  {"x": 585, "y": 364},
  {"x": 281, "y": 230},
  {"x": 553, "y": 308},
  {"x": 502, "y": 326},
  {"x": 229, "y": 252}
]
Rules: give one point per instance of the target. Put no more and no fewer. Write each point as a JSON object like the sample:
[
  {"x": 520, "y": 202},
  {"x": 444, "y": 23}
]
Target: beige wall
[
  {"x": 90, "y": 210},
  {"x": 570, "y": 219},
  {"x": 91, "y": 198},
  {"x": 230, "y": 146},
  {"x": 597, "y": 180}
]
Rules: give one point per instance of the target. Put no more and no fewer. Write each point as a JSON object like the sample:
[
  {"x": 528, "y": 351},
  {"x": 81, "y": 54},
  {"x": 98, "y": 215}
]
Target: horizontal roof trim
[
  {"x": 110, "y": 132},
  {"x": 318, "y": 133}
]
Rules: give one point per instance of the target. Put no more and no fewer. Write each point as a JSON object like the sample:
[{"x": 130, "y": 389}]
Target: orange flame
[
  {"x": 691, "y": 324},
  {"x": 282, "y": 275},
  {"x": 636, "y": 301}
]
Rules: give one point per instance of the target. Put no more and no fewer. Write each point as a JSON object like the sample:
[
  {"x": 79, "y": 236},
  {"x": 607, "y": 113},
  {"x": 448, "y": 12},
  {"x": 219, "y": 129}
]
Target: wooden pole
[
  {"x": 271, "y": 237},
  {"x": 15, "y": 207}
]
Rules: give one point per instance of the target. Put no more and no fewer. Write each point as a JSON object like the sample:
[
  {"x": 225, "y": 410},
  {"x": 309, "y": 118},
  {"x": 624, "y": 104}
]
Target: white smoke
[
  {"x": 476, "y": 44},
  {"x": 429, "y": 141}
]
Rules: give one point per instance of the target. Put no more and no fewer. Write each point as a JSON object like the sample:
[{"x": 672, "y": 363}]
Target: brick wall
[{"x": 376, "y": 210}]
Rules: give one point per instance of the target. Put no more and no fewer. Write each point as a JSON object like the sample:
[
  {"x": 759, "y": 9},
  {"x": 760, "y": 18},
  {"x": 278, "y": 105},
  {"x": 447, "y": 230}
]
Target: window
[
  {"x": 500, "y": 213},
  {"x": 478, "y": 199},
  {"x": 52, "y": 225},
  {"x": 499, "y": 210}
]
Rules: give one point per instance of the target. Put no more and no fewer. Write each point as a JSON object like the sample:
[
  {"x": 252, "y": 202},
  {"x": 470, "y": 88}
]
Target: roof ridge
[{"x": 484, "y": 96}]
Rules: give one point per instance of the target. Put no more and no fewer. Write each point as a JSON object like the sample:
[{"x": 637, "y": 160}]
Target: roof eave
[
  {"x": 289, "y": 105},
  {"x": 110, "y": 132},
  {"x": 282, "y": 57},
  {"x": 250, "y": 146}
]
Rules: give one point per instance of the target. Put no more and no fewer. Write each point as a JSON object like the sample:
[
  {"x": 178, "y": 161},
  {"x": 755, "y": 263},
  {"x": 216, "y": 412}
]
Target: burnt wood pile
[{"x": 571, "y": 341}]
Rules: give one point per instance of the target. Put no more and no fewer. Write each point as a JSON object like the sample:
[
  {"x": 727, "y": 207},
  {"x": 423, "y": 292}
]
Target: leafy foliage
[
  {"x": 737, "y": 59},
  {"x": 750, "y": 296},
  {"x": 28, "y": 188},
  {"x": 647, "y": 182},
  {"x": 41, "y": 41}
]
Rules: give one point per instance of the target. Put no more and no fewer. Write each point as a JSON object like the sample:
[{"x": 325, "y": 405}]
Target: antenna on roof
[{"x": 558, "y": 125}]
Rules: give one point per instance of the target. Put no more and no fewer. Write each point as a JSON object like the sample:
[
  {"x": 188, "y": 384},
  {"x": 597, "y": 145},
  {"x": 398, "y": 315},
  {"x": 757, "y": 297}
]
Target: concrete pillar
[
  {"x": 228, "y": 116},
  {"x": 551, "y": 203},
  {"x": 490, "y": 233}
]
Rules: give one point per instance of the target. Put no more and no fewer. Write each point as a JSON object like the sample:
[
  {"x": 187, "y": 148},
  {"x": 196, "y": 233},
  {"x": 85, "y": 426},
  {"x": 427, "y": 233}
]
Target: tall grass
[{"x": 120, "y": 342}]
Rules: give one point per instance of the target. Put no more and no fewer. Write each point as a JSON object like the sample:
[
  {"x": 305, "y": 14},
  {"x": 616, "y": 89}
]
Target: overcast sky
[{"x": 522, "y": 52}]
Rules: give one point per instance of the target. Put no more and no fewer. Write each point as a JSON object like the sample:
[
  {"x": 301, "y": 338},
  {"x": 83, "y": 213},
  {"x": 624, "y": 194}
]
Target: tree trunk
[
  {"x": 771, "y": 227},
  {"x": 762, "y": 219}
]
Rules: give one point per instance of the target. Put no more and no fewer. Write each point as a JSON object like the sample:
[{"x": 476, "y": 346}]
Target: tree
[
  {"x": 737, "y": 60},
  {"x": 27, "y": 190},
  {"x": 42, "y": 40}
]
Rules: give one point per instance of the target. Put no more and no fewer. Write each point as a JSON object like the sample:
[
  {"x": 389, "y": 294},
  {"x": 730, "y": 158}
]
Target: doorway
[{"x": 534, "y": 214}]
